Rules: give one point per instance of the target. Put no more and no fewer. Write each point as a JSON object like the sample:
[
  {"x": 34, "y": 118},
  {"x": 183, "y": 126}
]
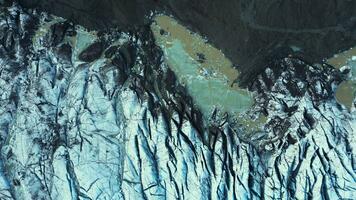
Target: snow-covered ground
[{"x": 78, "y": 122}]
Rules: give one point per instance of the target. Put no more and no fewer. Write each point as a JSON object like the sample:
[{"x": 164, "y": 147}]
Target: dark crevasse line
[{"x": 112, "y": 126}]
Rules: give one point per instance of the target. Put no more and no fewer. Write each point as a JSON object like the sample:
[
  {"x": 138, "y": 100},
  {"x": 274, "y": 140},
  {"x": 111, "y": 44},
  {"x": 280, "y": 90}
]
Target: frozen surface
[{"x": 115, "y": 129}]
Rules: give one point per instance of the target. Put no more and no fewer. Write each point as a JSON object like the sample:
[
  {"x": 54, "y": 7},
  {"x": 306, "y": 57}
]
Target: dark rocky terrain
[
  {"x": 250, "y": 32},
  {"x": 99, "y": 115}
]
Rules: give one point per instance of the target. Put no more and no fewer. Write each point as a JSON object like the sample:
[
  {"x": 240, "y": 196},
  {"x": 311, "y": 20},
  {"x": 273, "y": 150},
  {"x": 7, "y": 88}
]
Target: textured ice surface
[{"x": 115, "y": 129}]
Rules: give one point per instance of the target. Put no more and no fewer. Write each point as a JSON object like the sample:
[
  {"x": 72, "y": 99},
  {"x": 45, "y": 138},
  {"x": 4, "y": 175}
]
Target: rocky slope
[
  {"x": 99, "y": 115},
  {"x": 250, "y": 32}
]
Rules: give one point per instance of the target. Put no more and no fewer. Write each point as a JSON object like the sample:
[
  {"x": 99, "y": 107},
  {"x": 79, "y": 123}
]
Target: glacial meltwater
[
  {"x": 346, "y": 91},
  {"x": 204, "y": 70}
]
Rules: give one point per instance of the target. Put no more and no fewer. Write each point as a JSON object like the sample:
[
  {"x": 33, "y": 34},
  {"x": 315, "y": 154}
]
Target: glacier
[{"x": 99, "y": 115}]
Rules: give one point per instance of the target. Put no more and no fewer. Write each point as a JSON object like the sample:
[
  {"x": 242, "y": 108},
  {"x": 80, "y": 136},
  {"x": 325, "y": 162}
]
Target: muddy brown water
[
  {"x": 346, "y": 91},
  {"x": 206, "y": 72}
]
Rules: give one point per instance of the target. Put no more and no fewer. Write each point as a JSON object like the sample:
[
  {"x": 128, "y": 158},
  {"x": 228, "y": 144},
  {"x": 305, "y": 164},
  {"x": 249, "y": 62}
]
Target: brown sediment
[
  {"x": 214, "y": 59},
  {"x": 341, "y": 59},
  {"x": 346, "y": 91},
  {"x": 209, "y": 63},
  {"x": 213, "y": 66}
]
